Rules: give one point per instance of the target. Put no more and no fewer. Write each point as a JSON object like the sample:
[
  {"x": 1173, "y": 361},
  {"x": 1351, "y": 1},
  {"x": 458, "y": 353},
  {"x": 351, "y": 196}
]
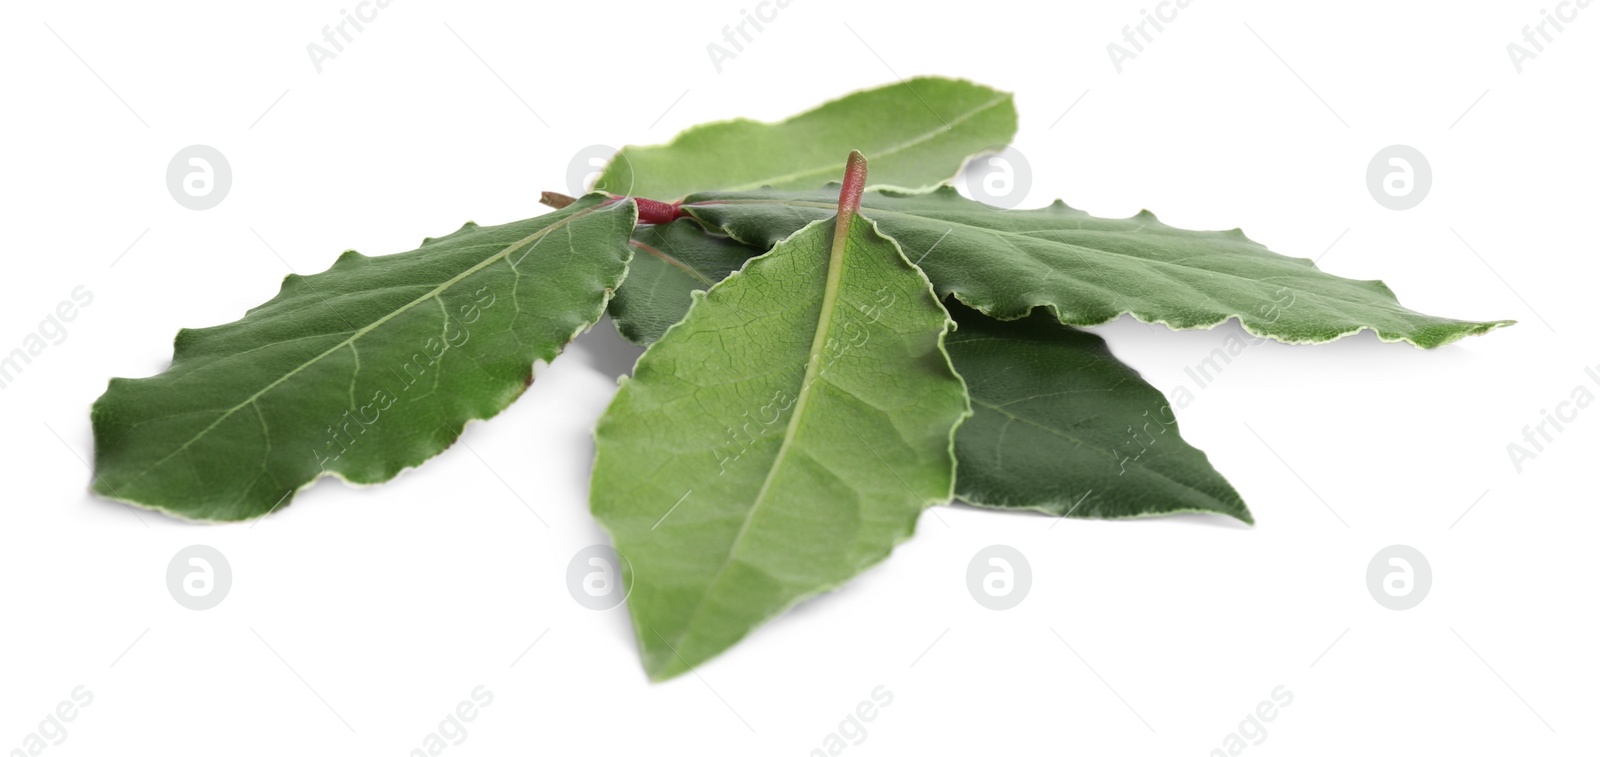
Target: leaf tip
[{"x": 556, "y": 199}]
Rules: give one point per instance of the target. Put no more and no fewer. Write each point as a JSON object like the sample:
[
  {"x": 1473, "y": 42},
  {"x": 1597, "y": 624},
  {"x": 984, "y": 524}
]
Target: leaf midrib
[{"x": 363, "y": 331}]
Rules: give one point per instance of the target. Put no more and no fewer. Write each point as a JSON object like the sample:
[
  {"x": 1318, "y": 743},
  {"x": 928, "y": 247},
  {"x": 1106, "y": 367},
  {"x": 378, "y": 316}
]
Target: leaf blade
[
  {"x": 1090, "y": 270},
  {"x": 722, "y": 531},
  {"x": 291, "y": 371},
  {"x": 1061, "y": 426},
  {"x": 919, "y": 132}
]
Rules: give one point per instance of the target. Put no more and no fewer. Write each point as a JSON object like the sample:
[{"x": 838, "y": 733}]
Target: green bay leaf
[
  {"x": 1059, "y": 424},
  {"x": 1062, "y": 426},
  {"x": 918, "y": 132},
  {"x": 778, "y": 441},
  {"x": 1089, "y": 270},
  {"x": 370, "y": 367}
]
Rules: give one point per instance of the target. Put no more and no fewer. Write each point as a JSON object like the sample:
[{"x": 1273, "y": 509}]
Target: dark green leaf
[
  {"x": 670, "y": 261},
  {"x": 1061, "y": 426}
]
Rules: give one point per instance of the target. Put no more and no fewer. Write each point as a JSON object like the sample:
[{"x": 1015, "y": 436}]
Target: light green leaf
[
  {"x": 918, "y": 133},
  {"x": 370, "y": 367},
  {"x": 1089, "y": 270},
  {"x": 779, "y": 440},
  {"x": 670, "y": 261},
  {"x": 1061, "y": 426}
]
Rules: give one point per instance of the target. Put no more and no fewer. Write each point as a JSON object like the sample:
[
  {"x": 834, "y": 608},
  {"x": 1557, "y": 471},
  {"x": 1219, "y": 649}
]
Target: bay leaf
[
  {"x": 370, "y": 367},
  {"x": 781, "y": 439}
]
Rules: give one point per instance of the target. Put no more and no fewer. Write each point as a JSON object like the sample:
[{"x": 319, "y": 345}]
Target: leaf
[
  {"x": 1089, "y": 270},
  {"x": 1061, "y": 426},
  {"x": 779, "y": 440},
  {"x": 670, "y": 261},
  {"x": 926, "y": 128},
  {"x": 370, "y": 367},
  {"x": 919, "y": 132}
]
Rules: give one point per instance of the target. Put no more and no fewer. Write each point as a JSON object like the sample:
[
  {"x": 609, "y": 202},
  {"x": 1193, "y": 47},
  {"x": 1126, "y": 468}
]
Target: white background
[{"x": 357, "y": 619}]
